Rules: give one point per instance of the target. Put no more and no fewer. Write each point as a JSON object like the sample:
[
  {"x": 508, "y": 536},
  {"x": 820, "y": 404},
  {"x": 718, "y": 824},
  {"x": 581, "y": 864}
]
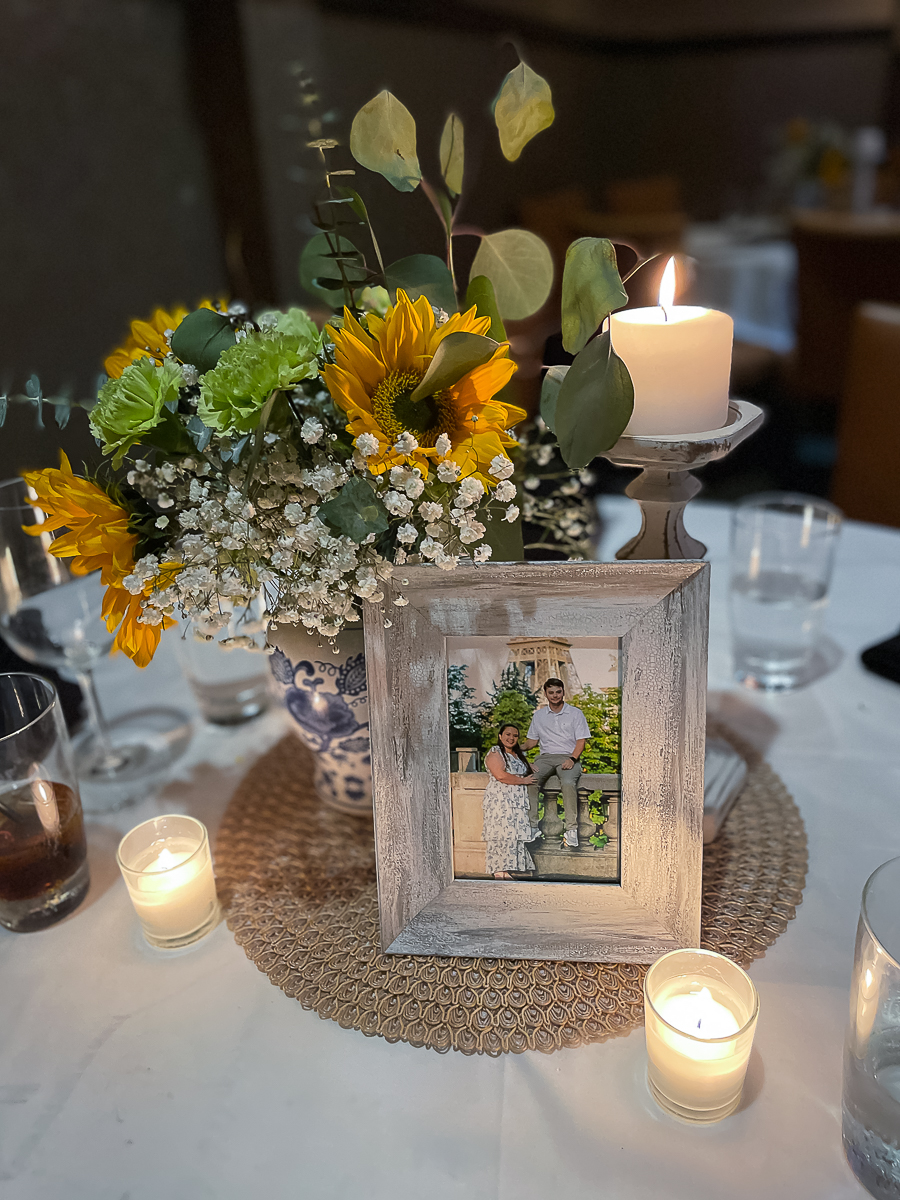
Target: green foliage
[
  {"x": 513, "y": 679},
  {"x": 131, "y": 408},
  {"x": 507, "y": 706},
  {"x": 201, "y": 337},
  {"x": 456, "y": 355},
  {"x": 594, "y": 403},
  {"x": 505, "y": 537},
  {"x": 522, "y": 109},
  {"x": 553, "y": 381},
  {"x": 520, "y": 267},
  {"x": 465, "y": 727},
  {"x": 602, "y": 709},
  {"x": 356, "y": 511},
  {"x": 422, "y": 275},
  {"x": 383, "y": 139},
  {"x": 452, "y": 154},
  {"x": 591, "y": 290},
  {"x": 480, "y": 292},
  {"x": 358, "y": 205},
  {"x": 34, "y": 397},
  {"x": 322, "y": 262}
]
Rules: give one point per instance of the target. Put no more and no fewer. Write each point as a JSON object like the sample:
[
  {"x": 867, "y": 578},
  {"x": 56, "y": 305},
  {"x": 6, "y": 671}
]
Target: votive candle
[
  {"x": 167, "y": 867},
  {"x": 700, "y": 1012}
]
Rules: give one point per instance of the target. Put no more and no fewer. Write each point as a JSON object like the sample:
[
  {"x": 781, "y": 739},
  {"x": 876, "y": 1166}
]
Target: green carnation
[
  {"x": 247, "y": 373},
  {"x": 132, "y": 405}
]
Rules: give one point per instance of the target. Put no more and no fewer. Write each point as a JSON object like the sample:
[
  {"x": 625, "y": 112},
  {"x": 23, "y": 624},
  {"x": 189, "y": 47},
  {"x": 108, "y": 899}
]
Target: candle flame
[
  {"x": 166, "y": 860},
  {"x": 667, "y": 285},
  {"x": 44, "y": 797}
]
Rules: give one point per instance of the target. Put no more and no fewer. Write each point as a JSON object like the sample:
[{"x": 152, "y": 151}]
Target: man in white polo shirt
[{"x": 561, "y": 731}]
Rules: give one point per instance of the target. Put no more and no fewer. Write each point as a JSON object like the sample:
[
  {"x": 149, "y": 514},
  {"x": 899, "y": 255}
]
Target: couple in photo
[{"x": 513, "y": 789}]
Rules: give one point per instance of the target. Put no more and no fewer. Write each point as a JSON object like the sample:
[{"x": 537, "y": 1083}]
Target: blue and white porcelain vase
[{"x": 326, "y": 696}]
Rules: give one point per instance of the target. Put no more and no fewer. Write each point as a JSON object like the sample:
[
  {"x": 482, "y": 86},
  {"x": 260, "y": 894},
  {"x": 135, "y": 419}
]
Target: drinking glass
[
  {"x": 871, "y": 1109},
  {"x": 229, "y": 682},
  {"x": 43, "y": 855},
  {"x": 50, "y": 616},
  {"x": 782, "y": 554}
]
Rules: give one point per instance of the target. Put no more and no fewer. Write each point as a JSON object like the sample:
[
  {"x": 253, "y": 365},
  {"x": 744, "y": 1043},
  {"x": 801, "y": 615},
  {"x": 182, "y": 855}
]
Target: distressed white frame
[{"x": 659, "y": 610}]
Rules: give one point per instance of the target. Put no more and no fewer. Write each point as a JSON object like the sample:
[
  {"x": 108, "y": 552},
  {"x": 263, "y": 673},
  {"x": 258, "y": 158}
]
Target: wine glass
[{"x": 50, "y": 616}]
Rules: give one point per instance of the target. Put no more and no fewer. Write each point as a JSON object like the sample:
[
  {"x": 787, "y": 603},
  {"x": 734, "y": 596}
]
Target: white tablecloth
[{"x": 128, "y": 1075}]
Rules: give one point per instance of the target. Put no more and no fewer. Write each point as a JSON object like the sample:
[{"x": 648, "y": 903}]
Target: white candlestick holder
[{"x": 666, "y": 484}]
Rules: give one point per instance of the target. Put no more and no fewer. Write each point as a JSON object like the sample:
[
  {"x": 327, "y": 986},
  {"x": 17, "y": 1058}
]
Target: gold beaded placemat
[{"x": 297, "y": 882}]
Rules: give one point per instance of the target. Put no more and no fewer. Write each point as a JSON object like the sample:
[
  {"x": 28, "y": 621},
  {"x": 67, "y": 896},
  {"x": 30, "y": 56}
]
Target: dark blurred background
[{"x": 152, "y": 152}]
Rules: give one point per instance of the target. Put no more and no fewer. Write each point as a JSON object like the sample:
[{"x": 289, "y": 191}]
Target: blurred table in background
[
  {"x": 127, "y": 1072},
  {"x": 745, "y": 271}
]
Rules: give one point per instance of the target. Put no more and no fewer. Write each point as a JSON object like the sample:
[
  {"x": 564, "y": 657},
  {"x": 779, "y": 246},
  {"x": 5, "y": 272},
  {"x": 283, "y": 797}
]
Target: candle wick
[
  {"x": 698, "y": 1022},
  {"x": 665, "y": 313}
]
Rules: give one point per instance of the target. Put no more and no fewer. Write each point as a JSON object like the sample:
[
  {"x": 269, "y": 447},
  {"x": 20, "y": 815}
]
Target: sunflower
[
  {"x": 97, "y": 538},
  {"x": 375, "y": 373},
  {"x": 147, "y": 339}
]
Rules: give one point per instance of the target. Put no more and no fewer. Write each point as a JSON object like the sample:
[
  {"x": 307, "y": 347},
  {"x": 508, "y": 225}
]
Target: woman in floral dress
[{"x": 506, "y": 823}]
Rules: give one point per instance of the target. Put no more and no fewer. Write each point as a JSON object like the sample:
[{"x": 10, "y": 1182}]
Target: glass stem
[{"x": 108, "y": 759}]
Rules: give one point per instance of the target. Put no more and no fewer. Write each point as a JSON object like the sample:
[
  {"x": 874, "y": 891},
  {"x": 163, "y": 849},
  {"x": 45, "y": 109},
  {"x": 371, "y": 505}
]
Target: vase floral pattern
[{"x": 327, "y": 699}]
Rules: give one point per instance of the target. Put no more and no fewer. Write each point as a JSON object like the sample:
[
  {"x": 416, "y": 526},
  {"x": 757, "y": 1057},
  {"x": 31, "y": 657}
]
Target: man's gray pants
[{"x": 544, "y": 766}]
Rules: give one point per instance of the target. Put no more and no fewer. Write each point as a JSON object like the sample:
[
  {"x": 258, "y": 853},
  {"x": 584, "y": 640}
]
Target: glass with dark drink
[{"x": 43, "y": 855}]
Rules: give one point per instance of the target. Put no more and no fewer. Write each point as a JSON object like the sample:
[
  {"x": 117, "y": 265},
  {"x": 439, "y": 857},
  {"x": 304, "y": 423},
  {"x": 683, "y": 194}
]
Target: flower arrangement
[{"x": 250, "y": 452}]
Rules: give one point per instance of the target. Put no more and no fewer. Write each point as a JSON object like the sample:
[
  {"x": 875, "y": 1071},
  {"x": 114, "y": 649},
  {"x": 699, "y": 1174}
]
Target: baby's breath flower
[{"x": 501, "y": 467}]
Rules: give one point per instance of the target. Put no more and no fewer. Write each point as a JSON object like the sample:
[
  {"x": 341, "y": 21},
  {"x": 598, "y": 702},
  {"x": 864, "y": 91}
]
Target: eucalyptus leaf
[
  {"x": 520, "y": 267},
  {"x": 62, "y": 411},
  {"x": 422, "y": 275},
  {"x": 383, "y": 139},
  {"x": 201, "y": 337},
  {"x": 505, "y": 537},
  {"x": 456, "y": 355},
  {"x": 553, "y": 381},
  {"x": 591, "y": 290},
  {"x": 319, "y": 267},
  {"x": 522, "y": 109},
  {"x": 452, "y": 154},
  {"x": 169, "y": 435},
  {"x": 480, "y": 292},
  {"x": 356, "y": 511},
  {"x": 359, "y": 207},
  {"x": 200, "y": 433},
  {"x": 4, "y": 404},
  {"x": 594, "y": 403}
]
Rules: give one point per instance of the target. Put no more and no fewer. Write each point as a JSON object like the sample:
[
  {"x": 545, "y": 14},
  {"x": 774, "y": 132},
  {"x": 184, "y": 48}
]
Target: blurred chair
[
  {"x": 866, "y": 480},
  {"x": 843, "y": 259}
]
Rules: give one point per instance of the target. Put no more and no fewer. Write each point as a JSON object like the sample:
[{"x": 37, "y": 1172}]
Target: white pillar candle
[
  {"x": 700, "y": 1016},
  {"x": 679, "y": 359},
  {"x": 167, "y": 867}
]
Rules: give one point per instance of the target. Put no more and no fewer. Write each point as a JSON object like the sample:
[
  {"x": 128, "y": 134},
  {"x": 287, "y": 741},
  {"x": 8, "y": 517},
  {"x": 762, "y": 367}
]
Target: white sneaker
[
  {"x": 536, "y": 835},
  {"x": 571, "y": 839}
]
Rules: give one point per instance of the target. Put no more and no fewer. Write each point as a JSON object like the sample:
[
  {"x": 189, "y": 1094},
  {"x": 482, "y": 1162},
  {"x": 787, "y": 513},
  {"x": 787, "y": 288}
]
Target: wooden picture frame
[{"x": 659, "y": 611}]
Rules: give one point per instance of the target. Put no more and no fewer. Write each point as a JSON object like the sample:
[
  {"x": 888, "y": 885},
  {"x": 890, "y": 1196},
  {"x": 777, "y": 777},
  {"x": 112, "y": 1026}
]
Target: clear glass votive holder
[
  {"x": 700, "y": 1012},
  {"x": 43, "y": 852},
  {"x": 871, "y": 1100},
  {"x": 167, "y": 867},
  {"x": 782, "y": 556}
]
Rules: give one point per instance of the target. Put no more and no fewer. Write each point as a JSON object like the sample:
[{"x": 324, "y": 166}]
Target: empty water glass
[
  {"x": 871, "y": 1110},
  {"x": 782, "y": 555},
  {"x": 226, "y": 667}
]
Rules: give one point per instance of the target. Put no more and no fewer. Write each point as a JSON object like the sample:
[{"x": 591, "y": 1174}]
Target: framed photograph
[{"x": 537, "y": 735}]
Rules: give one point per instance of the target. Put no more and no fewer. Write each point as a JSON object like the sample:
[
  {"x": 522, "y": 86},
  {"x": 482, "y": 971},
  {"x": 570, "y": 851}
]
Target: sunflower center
[{"x": 396, "y": 412}]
